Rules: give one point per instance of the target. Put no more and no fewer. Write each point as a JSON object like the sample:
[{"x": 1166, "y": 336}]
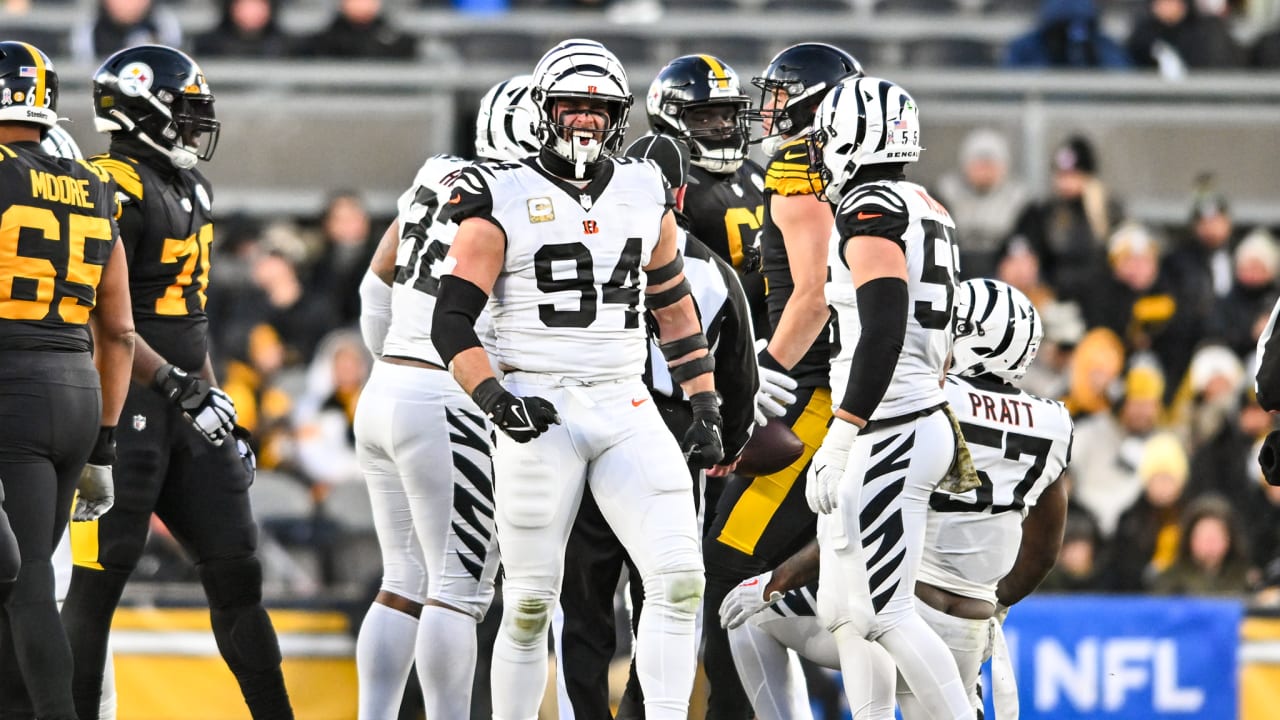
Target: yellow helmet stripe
[
  {"x": 38, "y": 60},
  {"x": 717, "y": 71}
]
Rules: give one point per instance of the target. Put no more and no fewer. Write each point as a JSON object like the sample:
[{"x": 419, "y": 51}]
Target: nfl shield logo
[{"x": 139, "y": 422}]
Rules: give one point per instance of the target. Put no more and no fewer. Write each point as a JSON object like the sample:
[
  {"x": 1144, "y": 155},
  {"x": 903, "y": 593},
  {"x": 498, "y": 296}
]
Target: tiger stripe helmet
[
  {"x": 506, "y": 126},
  {"x": 581, "y": 69},
  {"x": 997, "y": 330},
  {"x": 863, "y": 121}
]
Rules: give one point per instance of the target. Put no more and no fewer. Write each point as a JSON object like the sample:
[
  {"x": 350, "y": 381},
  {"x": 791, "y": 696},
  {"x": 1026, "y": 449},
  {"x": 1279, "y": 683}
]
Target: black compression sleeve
[
  {"x": 453, "y": 323},
  {"x": 882, "y": 310}
]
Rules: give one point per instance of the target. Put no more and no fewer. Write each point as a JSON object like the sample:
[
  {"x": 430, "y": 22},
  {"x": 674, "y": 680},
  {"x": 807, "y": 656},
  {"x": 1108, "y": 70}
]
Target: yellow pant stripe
[
  {"x": 760, "y": 501},
  {"x": 84, "y": 544}
]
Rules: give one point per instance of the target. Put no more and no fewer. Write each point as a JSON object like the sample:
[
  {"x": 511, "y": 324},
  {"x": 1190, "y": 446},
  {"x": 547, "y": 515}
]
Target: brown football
[{"x": 771, "y": 449}]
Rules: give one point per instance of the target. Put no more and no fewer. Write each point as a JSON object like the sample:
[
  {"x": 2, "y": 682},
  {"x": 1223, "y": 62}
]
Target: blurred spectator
[
  {"x": 1069, "y": 229},
  {"x": 1262, "y": 522},
  {"x": 1147, "y": 535},
  {"x": 1265, "y": 52},
  {"x": 1050, "y": 373},
  {"x": 1096, "y": 365},
  {"x": 1139, "y": 305},
  {"x": 1110, "y": 446},
  {"x": 983, "y": 200},
  {"x": 325, "y": 439},
  {"x": 360, "y": 29},
  {"x": 346, "y": 246},
  {"x": 1200, "y": 269},
  {"x": 299, "y": 316},
  {"x": 1066, "y": 36},
  {"x": 1240, "y": 316},
  {"x": 119, "y": 24},
  {"x": 1212, "y": 555},
  {"x": 1213, "y": 426},
  {"x": 1018, "y": 264},
  {"x": 1174, "y": 35},
  {"x": 248, "y": 28},
  {"x": 1079, "y": 559},
  {"x": 263, "y": 405}
]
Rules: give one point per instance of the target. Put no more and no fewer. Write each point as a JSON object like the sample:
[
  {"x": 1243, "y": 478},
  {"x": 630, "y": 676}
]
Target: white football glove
[
  {"x": 746, "y": 600},
  {"x": 822, "y": 487},
  {"x": 216, "y": 416},
  {"x": 96, "y": 493},
  {"x": 774, "y": 394}
]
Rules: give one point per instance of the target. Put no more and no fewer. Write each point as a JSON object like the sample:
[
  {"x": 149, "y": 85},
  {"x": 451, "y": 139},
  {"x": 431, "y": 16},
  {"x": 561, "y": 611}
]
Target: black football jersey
[
  {"x": 57, "y": 230},
  {"x": 728, "y": 210},
  {"x": 167, "y": 229},
  {"x": 789, "y": 174}
]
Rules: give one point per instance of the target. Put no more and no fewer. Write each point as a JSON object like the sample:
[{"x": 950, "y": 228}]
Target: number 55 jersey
[
  {"x": 905, "y": 214},
  {"x": 1021, "y": 444}
]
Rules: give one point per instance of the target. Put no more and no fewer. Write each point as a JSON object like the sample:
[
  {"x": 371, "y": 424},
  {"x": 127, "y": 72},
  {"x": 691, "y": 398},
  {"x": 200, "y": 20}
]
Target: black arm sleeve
[
  {"x": 882, "y": 310},
  {"x": 453, "y": 323},
  {"x": 736, "y": 376},
  {"x": 1268, "y": 378}
]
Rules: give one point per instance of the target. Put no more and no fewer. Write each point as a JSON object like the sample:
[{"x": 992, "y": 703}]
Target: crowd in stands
[{"x": 1150, "y": 331}]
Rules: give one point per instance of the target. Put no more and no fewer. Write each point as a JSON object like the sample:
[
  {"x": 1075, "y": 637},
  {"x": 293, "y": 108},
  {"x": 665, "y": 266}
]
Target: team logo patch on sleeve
[{"x": 541, "y": 210}]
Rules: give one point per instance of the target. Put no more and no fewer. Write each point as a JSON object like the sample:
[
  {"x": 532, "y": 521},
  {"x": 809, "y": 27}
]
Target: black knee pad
[
  {"x": 232, "y": 582},
  {"x": 241, "y": 625}
]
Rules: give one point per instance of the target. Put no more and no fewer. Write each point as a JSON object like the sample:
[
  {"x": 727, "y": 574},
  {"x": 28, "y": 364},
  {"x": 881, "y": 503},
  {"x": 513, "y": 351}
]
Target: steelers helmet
[
  {"x": 804, "y": 73},
  {"x": 160, "y": 96},
  {"x": 701, "y": 83},
  {"x": 997, "y": 330},
  {"x": 28, "y": 85},
  {"x": 584, "y": 70}
]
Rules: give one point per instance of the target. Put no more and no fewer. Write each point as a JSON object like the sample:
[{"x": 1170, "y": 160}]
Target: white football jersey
[
  {"x": 904, "y": 213},
  {"x": 1020, "y": 444},
  {"x": 424, "y": 242},
  {"x": 569, "y": 298}
]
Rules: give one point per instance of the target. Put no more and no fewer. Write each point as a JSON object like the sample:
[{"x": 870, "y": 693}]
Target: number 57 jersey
[
  {"x": 567, "y": 299},
  {"x": 905, "y": 214},
  {"x": 1020, "y": 445}
]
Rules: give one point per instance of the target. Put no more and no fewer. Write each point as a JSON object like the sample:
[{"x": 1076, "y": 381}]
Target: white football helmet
[
  {"x": 59, "y": 143},
  {"x": 997, "y": 330},
  {"x": 863, "y": 121},
  {"x": 581, "y": 69},
  {"x": 507, "y": 124}
]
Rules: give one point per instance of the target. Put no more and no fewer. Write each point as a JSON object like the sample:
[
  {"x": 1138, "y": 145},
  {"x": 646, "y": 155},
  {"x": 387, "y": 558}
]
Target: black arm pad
[
  {"x": 670, "y": 296},
  {"x": 882, "y": 310},
  {"x": 667, "y": 272},
  {"x": 453, "y": 323},
  {"x": 686, "y": 371},
  {"x": 677, "y": 349}
]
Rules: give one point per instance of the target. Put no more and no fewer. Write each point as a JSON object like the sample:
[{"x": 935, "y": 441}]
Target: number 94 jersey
[
  {"x": 567, "y": 299},
  {"x": 905, "y": 214},
  {"x": 1020, "y": 445}
]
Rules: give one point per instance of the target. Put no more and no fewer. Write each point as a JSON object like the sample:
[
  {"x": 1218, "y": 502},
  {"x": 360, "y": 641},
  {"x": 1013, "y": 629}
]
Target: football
[{"x": 771, "y": 448}]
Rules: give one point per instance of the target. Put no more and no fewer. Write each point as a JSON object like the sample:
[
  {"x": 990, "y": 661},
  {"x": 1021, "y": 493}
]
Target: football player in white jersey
[
  {"x": 425, "y": 448},
  {"x": 986, "y": 549},
  {"x": 892, "y": 440},
  {"x": 566, "y": 243}
]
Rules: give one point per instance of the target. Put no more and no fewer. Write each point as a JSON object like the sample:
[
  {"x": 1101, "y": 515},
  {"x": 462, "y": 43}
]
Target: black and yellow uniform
[
  {"x": 164, "y": 465},
  {"x": 56, "y": 234},
  {"x": 761, "y": 521},
  {"x": 726, "y": 212}
]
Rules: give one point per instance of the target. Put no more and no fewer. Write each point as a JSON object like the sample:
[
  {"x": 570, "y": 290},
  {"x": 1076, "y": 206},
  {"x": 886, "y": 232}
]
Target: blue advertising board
[{"x": 1124, "y": 657}]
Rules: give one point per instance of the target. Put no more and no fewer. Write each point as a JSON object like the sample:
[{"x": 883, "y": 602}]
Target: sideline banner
[{"x": 1084, "y": 656}]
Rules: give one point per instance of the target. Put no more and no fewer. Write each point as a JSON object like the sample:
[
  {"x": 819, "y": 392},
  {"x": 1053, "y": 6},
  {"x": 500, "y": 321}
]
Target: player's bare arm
[
  {"x": 476, "y": 259},
  {"x": 679, "y": 319},
  {"x": 1041, "y": 541},
  {"x": 383, "y": 263},
  {"x": 805, "y": 223},
  {"x": 113, "y": 334}
]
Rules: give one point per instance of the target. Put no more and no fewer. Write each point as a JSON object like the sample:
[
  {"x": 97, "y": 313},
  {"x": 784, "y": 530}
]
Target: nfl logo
[{"x": 139, "y": 422}]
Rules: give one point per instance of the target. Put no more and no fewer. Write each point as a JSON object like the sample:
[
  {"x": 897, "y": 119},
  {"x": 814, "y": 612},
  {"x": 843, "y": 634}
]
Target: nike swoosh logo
[
  {"x": 638, "y": 403},
  {"x": 868, "y": 216},
  {"x": 796, "y": 156}
]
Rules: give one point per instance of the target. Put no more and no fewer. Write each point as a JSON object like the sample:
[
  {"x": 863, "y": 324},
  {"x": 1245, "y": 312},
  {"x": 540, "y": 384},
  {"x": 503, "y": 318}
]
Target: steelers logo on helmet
[
  {"x": 583, "y": 100},
  {"x": 997, "y": 330},
  {"x": 862, "y": 121},
  {"x": 30, "y": 85},
  {"x": 159, "y": 96},
  {"x": 699, "y": 99}
]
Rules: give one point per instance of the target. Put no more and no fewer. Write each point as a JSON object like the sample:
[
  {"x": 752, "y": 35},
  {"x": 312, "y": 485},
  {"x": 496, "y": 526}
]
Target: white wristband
[{"x": 840, "y": 435}]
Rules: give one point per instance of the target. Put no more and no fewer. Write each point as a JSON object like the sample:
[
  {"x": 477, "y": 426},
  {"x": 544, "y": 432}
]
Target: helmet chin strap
[{"x": 579, "y": 154}]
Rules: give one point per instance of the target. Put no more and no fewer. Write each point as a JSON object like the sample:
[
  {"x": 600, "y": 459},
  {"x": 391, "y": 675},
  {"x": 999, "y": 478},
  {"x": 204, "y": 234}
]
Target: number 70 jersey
[
  {"x": 905, "y": 214},
  {"x": 567, "y": 300}
]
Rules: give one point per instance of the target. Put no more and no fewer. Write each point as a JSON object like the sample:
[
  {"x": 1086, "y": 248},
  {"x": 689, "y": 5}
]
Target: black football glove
[
  {"x": 1269, "y": 458},
  {"x": 702, "y": 445},
  {"x": 521, "y": 418},
  {"x": 209, "y": 409}
]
